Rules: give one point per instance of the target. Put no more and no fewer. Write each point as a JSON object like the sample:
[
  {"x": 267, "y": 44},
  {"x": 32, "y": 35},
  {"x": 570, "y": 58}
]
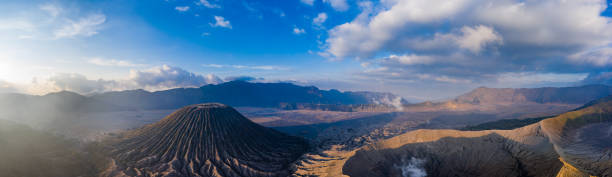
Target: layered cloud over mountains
[
  {"x": 474, "y": 41},
  {"x": 602, "y": 78},
  {"x": 430, "y": 49},
  {"x": 165, "y": 76},
  {"x": 155, "y": 78}
]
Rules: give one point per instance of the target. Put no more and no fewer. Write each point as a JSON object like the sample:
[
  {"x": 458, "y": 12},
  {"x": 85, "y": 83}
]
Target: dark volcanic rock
[{"x": 204, "y": 140}]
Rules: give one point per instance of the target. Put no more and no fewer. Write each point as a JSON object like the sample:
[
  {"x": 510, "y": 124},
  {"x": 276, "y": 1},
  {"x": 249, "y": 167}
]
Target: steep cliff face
[
  {"x": 583, "y": 138},
  {"x": 577, "y": 143},
  {"x": 203, "y": 140}
]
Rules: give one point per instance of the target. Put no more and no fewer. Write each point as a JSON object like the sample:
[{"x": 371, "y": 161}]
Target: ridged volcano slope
[
  {"x": 203, "y": 140},
  {"x": 573, "y": 144}
]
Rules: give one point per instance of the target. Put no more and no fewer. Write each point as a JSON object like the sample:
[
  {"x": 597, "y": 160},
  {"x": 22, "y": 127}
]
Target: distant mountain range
[
  {"x": 240, "y": 93},
  {"x": 492, "y": 99},
  {"x": 563, "y": 95},
  {"x": 287, "y": 96},
  {"x": 63, "y": 101},
  {"x": 234, "y": 93}
]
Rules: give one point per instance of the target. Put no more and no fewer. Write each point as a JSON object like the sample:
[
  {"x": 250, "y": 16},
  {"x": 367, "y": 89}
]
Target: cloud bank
[
  {"x": 165, "y": 77},
  {"x": 6, "y": 87},
  {"x": 598, "y": 78},
  {"x": 153, "y": 79},
  {"x": 474, "y": 41}
]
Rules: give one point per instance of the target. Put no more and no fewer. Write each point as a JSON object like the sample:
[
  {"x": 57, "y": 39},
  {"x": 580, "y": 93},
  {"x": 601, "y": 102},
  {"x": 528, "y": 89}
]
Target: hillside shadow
[
  {"x": 487, "y": 155},
  {"x": 311, "y": 132}
]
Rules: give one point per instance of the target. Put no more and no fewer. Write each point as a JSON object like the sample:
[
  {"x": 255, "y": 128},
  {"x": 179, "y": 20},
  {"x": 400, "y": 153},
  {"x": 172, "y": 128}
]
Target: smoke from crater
[{"x": 412, "y": 167}]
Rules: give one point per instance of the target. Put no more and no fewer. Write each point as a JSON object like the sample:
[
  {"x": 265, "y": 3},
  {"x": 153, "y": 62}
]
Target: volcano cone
[{"x": 204, "y": 140}]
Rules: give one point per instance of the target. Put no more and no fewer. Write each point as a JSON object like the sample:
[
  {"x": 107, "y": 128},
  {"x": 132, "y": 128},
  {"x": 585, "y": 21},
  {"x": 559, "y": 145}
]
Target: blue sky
[{"x": 415, "y": 48}]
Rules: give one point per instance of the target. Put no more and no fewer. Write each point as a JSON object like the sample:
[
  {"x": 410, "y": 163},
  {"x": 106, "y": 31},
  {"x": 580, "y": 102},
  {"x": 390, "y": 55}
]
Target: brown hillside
[{"x": 577, "y": 143}]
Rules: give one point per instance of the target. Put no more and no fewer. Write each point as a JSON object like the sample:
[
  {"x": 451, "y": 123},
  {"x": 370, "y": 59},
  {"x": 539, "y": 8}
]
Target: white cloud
[
  {"x": 78, "y": 83},
  {"x": 52, "y": 21},
  {"x": 254, "y": 67},
  {"x": 550, "y": 25},
  {"x": 182, "y": 8},
  {"x": 411, "y": 59},
  {"x": 451, "y": 80},
  {"x": 598, "y": 78},
  {"x": 65, "y": 81},
  {"x": 365, "y": 64},
  {"x": 164, "y": 77},
  {"x": 26, "y": 37},
  {"x": 152, "y": 79},
  {"x": 86, "y": 26},
  {"x": 17, "y": 24},
  {"x": 599, "y": 56},
  {"x": 207, "y": 4},
  {"x": 52, "y": 9},
  {"x": 221, "y": 22},
  {"x": 320, "y": 19},
  {"x": 308, "y": 2},
  {"x": 213, "y": 65},
  {"x": 339, "y": 5},
  {"x": 6, "y": 87},
  {"x": 374, "y": 33},
  {"x": 474, "y": 39},
  {"x": 111, "y": 62},
  {"x": 442, "y": 78},
  {"x": 298, "y": 31},
  {"x": 260, "y": 67},
  {"x": 268, "y": 67},
  {"x": 533, "y": 78}
]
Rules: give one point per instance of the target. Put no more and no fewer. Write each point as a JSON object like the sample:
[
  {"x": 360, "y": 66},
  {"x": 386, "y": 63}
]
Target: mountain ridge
[
  {"x": 234, "y": 93},
  {"x": 564, "y": 95},
  {"x": 241, "y": 93},
  {"x": 551, "y": 147}
]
